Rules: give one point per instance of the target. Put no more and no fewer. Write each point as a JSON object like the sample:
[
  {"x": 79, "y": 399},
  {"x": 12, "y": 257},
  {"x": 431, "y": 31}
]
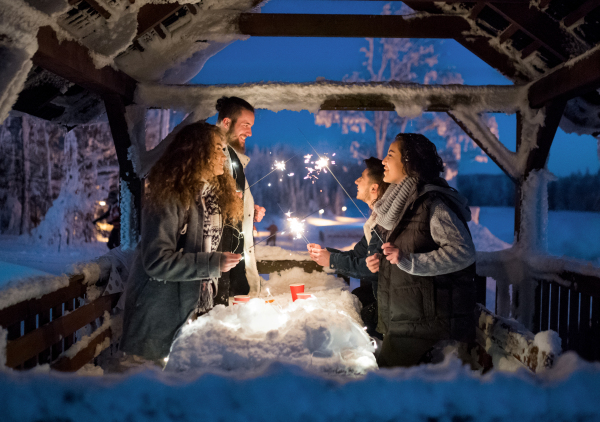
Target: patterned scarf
[
  {"x": 390, "y": 207},
  {"x": 212, "y": 231}
]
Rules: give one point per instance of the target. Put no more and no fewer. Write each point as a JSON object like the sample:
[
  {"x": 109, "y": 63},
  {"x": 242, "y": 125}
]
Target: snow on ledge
[{"x": 275, "y": 253}]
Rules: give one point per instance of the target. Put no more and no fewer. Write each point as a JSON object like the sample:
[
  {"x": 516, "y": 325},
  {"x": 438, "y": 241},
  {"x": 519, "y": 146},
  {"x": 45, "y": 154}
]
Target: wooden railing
[{"x": 40, "y": 330}]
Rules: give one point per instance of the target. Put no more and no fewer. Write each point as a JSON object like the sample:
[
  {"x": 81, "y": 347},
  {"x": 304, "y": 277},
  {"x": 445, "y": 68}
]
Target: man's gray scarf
[{"x": 390, "y": 207}]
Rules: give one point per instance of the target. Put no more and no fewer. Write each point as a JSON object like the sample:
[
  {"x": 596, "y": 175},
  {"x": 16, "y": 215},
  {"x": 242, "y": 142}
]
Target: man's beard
[{"x": 234, "y": 141}]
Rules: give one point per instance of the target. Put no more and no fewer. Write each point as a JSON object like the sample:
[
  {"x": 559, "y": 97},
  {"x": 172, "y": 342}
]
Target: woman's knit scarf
[
  {"x": 212, "y": 231},
  {"x": 390, "y": 207}
]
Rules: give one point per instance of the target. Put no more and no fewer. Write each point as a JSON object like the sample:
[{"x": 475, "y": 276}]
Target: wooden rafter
[
  {"x": 72, "y": 61},
  {"x": 151, "y": 15},
  {"x": 572, "y": 18},
  {"x": 567, "y": 82},
  {"x": 376, "y": 26}
]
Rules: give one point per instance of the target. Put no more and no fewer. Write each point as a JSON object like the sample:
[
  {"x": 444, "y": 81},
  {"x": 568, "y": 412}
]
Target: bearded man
[{"x": 236, "y": 118}]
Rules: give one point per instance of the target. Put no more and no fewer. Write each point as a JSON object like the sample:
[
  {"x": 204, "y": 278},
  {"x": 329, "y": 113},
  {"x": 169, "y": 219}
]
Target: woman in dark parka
[
  {"x": 176, "y": 266},
  {"x": 426, "y": 288}
]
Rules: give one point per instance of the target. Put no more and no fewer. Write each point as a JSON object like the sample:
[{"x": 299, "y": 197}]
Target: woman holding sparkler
[
  {"x": 176, "y": 267},
  {"x": 426, "y": 288}
]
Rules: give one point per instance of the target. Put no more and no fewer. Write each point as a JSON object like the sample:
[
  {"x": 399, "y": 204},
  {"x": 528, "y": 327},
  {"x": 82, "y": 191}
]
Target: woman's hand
[
  {"x": 373, "y": 262},
  {"x": 229, "y": 260},
  {"x": 391, "y": 252},
  {"x": 259, "y": 213}
]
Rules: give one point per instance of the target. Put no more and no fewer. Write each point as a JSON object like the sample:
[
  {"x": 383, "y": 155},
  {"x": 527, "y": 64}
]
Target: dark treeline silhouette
[{"x": 577, "y": 192}]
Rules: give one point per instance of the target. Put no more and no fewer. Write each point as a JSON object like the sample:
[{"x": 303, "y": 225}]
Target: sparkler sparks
[
  {"x": 297, "y": 228},
  {"x": 277, "y": 165},
  {"x": 320, "y": 165}
]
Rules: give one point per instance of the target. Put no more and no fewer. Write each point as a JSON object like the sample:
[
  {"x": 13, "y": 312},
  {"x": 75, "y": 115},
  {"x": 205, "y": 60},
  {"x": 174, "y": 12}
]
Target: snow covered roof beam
[
  {"x": 576, "y": 77},
  {"x": 72, "y": 61}
]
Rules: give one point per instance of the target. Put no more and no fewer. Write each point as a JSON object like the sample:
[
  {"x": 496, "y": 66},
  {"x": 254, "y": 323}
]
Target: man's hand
[
  {"x": 229, "y": 260},
  {"x": 259, "y": 213},
  {"x": 391, "y": 252},
  {"x": 373, "y": 262},
  {"x": 320, "y": 256}
]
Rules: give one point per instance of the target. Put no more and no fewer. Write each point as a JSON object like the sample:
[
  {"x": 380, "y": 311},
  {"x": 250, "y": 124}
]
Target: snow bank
[
  {"x": 444, "y": 392},
  {"x": 275, "y": 253},
  {"x": 16, "y": 291},
  {"x": 323, "y": 334}
]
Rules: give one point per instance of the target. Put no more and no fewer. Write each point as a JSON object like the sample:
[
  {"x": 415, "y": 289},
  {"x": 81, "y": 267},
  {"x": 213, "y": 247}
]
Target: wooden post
[{"x": 131, "y": 185}]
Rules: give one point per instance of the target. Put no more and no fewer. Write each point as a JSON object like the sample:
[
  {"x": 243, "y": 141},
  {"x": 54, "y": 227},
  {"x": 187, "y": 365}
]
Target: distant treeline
[{"x": 577, "y": 192}]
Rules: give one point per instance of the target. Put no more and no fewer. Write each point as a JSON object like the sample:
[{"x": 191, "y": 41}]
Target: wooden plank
[
  {"x": 19, "y": 311},
  {"x": 538, "y": 26},
  {"x": 361, "y": 26},
  {"x": 57, "y": 348},
  {"x": 84, "y": 356},
  {"x": 554, "y": 292},
  {"x": 150, "y": 15},
  {"x": 69, "y": 339},
  {"x": 30, "y": 327},
  {"x": 567, "y": 82},
  {"x": 268, "y": 267},
  {"x": 530, "y": 49},
  {"x": 573, "y": 320},
  {"x": 545, "y": 306},
  {"x": 46, "y": 355},
  {"x": 480, "y": 290},
  {"x": 358, "y": 102},
  {"x": 537, "y": 311},
  {"x": 563, "y": 317},
  {"x": 72, "y": 61},
  {"x": 29, "y": 345},
  {"x": 587, "y": 284},
  {"x": 538, "y": 157},
  {"x": 584, "y": 339},
  {"x": 508, "y": 32},
  {"x": 573, "y": 17}
]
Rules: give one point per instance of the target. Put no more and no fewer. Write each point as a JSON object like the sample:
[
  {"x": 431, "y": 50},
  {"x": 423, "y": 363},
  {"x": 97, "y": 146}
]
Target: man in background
[
  {"x": 370, "y": 187},
  {"x": 236, "y": 118}
]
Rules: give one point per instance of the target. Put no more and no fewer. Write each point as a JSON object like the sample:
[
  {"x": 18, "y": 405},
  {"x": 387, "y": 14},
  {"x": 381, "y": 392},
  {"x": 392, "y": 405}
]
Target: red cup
[
  {"x": 295, "y": 289},
  {"x": 241, "y": 298},
  {"x": 304, "y": 295},
  {"x": 237, "y": 302}
]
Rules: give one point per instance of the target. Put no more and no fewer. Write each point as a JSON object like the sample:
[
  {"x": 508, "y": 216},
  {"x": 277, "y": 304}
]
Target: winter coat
[
  {"x": 248, "y": 230},
  {"x": 353, "y": 263},
  {"x": 164, "y": 283},
  {"x": 416, "y": 312}
]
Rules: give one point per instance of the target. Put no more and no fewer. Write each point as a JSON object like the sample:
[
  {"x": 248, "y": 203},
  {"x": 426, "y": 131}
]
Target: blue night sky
[{"x": 304, "y": 59}]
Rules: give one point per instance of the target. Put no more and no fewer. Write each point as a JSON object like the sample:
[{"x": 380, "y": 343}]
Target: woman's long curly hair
[
  {"x": 186, "y": 166},
  {"x": 419, "y": 156}
]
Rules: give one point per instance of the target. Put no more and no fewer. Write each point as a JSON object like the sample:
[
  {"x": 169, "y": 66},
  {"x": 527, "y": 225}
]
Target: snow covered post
[{"x": 131, "y": 186}]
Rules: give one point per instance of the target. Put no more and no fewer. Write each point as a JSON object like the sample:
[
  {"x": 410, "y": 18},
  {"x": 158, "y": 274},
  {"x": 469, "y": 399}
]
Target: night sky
[{"x": 304, "y": 59}]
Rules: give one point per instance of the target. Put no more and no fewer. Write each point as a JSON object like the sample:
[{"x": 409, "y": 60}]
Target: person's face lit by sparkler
[
  {"x": 366, "y": 190},
  {"x": 392, "y": 163},
  {"x": 239, "y": 130},
  {"x": 219, "y": 157}
]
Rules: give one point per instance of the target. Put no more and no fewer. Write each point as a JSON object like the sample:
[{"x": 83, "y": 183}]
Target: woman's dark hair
[
  {"x": 186, "y": 166},
  {"x": 419, "y": 156},
  {"x": 375, "y": 168},
  {"x": 231, "y": 107}
]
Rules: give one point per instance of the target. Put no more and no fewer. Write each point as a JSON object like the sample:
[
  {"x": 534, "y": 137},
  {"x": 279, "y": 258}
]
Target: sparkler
[
  {"x": 277, "y": 165},
  {"x": 336, "y": 179},
  {"x": 320, "y": 165},
  {"x": 296, "y": 225}
]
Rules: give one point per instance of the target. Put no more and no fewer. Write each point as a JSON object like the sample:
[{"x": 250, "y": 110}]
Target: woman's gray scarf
[
  {"x": 390, "y": 207},
  {"x": 211, "y": 231}
]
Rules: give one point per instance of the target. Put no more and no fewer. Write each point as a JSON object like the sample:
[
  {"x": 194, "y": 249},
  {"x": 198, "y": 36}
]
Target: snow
[
  {"x": 12, "y": 272},
  {"x": 18, "y": 290},
  {"x": 83, "y": 342},
  {"x": 275, "y": 253},
  {"x": 323, "y": 334}
]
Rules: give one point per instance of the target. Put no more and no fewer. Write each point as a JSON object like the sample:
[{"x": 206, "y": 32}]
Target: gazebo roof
[{"x": 169, "y": 43}]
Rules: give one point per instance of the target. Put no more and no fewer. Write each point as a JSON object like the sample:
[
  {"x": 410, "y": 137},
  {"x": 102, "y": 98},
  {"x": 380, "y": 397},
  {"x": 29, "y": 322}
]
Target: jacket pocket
[{"x": 411, "y": 303}]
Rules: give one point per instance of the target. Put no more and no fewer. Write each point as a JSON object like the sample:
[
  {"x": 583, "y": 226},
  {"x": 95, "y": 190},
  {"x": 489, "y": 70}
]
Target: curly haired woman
[
  {"x": 426, "y": 287},
  {"x": 176, "y": 266}
]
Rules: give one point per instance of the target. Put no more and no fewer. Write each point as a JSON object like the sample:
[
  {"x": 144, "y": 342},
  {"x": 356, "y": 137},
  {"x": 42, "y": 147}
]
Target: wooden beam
[
  {"x": 84, "y": 356},
  {"x": 538, "y": 157},
  {"x": 573, "y": 17},
  {"x": 358, "y": 102},
  {"x": 361, "y": 26},
  {"x": 151, "y": 15},
  {"x": 538, "y": 26},
  {"x": 72, "y": 61},
  {"x": 567, "y": 82}
]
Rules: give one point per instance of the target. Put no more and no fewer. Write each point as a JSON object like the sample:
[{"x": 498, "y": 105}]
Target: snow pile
[
  {"x": 323, "y": 333},
  {"x": 444, "y": 392},
  {"x": 83, "y": 342},
  {"x": 275, "y": 253}
]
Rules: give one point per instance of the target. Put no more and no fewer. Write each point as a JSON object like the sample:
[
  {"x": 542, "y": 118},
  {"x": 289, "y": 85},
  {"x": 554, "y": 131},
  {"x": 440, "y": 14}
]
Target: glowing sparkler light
[
  {"x": 320, "y": 165},
  {"x": 279, "y": 165},
  {"x": 296, "y": 227},
  {"x": 321, "y": 212},
  {"x": 288, "y": 214},
  {"x": 344, "y": 208}
]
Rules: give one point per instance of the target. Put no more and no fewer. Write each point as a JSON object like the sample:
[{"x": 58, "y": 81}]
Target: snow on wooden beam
[
  {"x": 407, "y": 99},
  {"x": 361, "y": 26},
  {"x": 538, "y": 157},
  {"x": 576, "y": 77},
  {"x": 150, "y": 15},
  {"x": 72, "y": 61}
]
